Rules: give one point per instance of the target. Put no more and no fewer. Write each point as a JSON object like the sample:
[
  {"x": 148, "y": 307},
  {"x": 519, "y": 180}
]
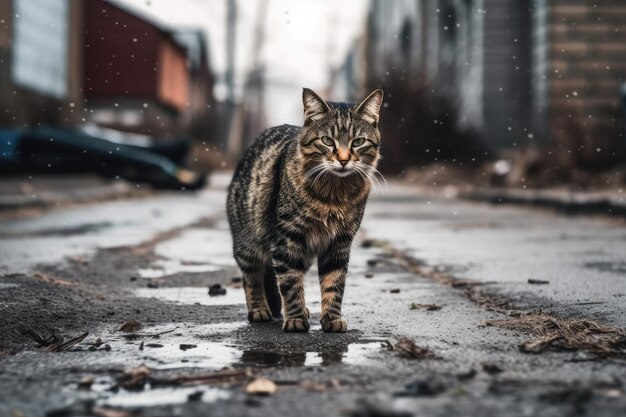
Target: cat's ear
[
  {"x": 314, "y": 106},
  {"x": 369, "y": 108}
]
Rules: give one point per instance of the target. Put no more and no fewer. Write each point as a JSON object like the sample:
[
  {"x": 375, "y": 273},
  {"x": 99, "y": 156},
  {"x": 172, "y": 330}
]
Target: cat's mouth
[{"x": 342, "y": 172}]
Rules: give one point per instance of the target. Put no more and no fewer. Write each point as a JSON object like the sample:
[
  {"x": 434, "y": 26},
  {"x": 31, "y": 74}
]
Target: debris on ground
[
  {"x": 261, "y": 386},
  {"x": 533, "y": 281},
  {"x": 86, "y": 382},
  {"x": 373, "y": 243},
  {"x": 216, "y": 289},
  {"x": 369, "y": 275},
  {"x": 133, "y": 378},
  {"x": 107, "y": 412},
  {"x": 467, "y": 375},
  {"x": 48, "y": 279},
  {"x": 395, "y": 291},
  {"x": 423, "y": 387},
  {"x": 224, "y": 376},
  {"x": 409, "y": 349},
  {"x": 236, "y": 282},
  {"x": 428, "y": 307},
  {"x": 195, "y": 396},
  {"x": 489, "y": 301},
  {"x": 135, "y": 336},
  {"x": 130, "y": 326},
  {"x": 555, "y": 334},
  {"x": 154, "y": 345},
  {"x": 53, "y": 343},
  {"x": 312, "y": 386},
  {"x": 491, "y": 368},
  {"x": 81, "y": 260},
  {"x": 367, "y": 408},
  {"x": 184, "y": 346}
]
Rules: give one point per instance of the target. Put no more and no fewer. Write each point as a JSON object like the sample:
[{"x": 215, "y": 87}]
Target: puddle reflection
[
  {"x": 164, "y": 396},
  {"x": 166, "y": 268},
  {"x": 193, "y": 295},
  {"x": 353, "y": 354}
]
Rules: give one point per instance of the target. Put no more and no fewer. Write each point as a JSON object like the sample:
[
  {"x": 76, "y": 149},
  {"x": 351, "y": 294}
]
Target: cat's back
[{"x": 252, "y": 188}]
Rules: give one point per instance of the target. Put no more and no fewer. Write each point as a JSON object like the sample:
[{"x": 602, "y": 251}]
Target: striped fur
[{"x": 298, "y": 194}]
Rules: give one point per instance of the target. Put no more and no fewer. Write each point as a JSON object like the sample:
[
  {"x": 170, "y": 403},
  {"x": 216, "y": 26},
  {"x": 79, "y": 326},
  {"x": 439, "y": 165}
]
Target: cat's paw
[
  {"x": 258, "y": 315},
  {"x": 296, "y": 325},
  {"x": 334, "y": 326}
]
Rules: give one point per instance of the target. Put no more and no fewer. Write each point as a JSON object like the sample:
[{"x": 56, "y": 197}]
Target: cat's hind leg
[
  {"x": 253, "y": 271},
  {"x": 258, "y": 308}
]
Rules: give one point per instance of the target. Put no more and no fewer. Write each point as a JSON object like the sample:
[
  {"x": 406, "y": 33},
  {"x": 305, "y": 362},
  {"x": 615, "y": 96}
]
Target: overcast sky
[{"x": 304, "y": 38}]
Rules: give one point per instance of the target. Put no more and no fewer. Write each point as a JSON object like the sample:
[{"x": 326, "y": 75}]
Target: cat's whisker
[
  {"x": 313, "y": 171},
  {"x": 372, "y": 179},
  {"x": 323, "y": 171},
  {"x": 375, "y": 171}
]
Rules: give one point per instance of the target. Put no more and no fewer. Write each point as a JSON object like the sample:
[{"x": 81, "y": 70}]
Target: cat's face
[{"x": 338, "y": 138}]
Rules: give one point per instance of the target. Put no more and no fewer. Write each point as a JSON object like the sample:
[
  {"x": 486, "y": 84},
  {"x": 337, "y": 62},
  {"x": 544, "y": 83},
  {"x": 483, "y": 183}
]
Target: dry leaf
[
  {"x": 105, "y": 412},
  {"x": 130, "y": 326},
  {"x": 133, "y": 378},
  {"x": 409, "y": 349},
  {"x": 50, "y": 279}
]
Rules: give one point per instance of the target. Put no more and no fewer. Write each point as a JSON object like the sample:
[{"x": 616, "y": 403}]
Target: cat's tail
[{"x": 271, "y": 292}]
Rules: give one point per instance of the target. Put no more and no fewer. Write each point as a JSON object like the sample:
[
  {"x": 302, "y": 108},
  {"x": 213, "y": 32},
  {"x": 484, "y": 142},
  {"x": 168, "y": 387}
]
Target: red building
[
  {"x": 102, "y": 63},
  {"x": 127, "y": 56}
]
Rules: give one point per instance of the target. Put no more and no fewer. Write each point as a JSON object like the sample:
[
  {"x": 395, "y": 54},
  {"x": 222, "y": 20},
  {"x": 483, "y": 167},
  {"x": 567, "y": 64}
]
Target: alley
[{"x": 451, "y": 276}]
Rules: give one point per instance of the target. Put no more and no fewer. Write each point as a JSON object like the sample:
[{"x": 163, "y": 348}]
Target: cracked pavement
[{"x": 90, "y": 268}]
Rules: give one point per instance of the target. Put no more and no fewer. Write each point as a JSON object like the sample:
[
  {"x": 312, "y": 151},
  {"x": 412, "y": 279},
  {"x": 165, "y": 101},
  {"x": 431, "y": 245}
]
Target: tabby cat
[{"x": 298, "y": 194}]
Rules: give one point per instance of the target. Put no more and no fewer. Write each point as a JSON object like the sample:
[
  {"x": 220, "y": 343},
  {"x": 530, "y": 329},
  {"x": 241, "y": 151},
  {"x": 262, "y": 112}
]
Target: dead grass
[
  {"x": 409, "y": 349},
  {"x": 555, "y": 334}
]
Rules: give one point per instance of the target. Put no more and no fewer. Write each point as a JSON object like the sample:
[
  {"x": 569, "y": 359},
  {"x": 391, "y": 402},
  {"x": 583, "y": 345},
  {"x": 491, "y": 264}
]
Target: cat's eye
[
  {"x": 358, "y": 142},
  {"x": 328, "y": 141}
]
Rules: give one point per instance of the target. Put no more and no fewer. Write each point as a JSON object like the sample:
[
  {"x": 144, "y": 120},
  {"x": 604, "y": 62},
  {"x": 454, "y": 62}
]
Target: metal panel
[{"x": 40, "y": 47}]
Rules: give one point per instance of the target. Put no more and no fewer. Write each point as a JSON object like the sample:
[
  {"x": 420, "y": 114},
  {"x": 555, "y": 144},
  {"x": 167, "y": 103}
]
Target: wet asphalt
[{"x": 92, "y": 268}]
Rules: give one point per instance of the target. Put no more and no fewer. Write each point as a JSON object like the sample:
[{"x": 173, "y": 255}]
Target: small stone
[
  {"x": 216, "y": 289},
  {"x": 187, "y": 346},
  {"x": 261, "y": 386},
  {"x": 130, "y": 326}
]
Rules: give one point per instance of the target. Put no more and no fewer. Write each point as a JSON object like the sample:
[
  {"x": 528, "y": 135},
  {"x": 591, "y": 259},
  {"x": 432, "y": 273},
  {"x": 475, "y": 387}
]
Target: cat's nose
[{"x": 343, "y": 162}]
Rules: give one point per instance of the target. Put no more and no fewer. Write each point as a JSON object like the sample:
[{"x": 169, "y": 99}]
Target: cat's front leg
[
  {"x": 290, "y": 269},
  {"x": 333, "y": 267}
]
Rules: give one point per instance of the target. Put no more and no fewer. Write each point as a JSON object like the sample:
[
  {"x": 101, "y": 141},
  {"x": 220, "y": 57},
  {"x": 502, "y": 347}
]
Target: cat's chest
[{"x": 326, "y": 224}]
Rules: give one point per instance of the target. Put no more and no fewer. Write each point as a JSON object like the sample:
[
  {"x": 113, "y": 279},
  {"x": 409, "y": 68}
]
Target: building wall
[
  {"x": 42, "y": 94},
  {"x": 507, "y": 73},
  {"x": 121, "y": 52},
  {"x": 173, "y": 76},
  {"x": 586, "y": 57}
]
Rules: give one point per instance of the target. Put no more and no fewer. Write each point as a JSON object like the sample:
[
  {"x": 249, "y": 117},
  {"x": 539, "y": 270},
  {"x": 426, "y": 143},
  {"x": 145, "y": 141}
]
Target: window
[{"x": 40, "y": 46}]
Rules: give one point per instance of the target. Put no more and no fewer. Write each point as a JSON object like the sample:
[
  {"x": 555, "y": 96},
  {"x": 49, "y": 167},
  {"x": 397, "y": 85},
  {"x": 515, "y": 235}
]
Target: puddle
[
  {"x": 193, "y": 295},
  {"x": 613, "y": 267},
  {"x": 64, "y": 231},
  {"x": 165, "y": 268},
  {"x": 207, "y": 355},
  {"x": 165, "y": 352},
  {"x": 7, "y": 285},
  {"x": 357, "y": 354},
  {"x": 163, "y": 396},
  {"x": 199, "y": 246}
]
